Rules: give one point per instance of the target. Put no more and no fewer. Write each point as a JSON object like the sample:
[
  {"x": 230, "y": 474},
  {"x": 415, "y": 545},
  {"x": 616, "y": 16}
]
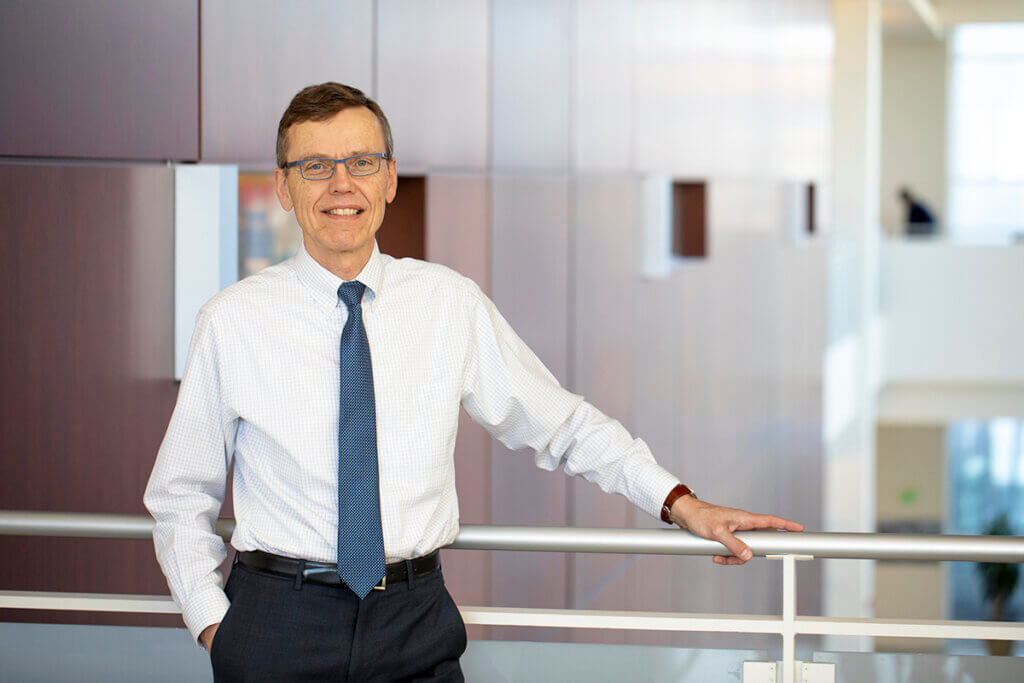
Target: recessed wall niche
[
  {"x": 403, "y": 232},
  {"x": 799, "y": 208},
  {"x": 809, "y": 207},
  {"x": 689, "y": 219}
]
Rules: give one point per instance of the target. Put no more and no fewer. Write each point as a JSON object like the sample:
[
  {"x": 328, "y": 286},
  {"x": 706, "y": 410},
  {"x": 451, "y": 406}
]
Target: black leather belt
[{"x": 327, "y": 574}]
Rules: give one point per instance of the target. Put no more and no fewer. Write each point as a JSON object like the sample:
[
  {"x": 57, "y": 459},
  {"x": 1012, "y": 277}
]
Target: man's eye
[
  {"x": 363, "y": 162},
  {"x": 315, "y": 166}
]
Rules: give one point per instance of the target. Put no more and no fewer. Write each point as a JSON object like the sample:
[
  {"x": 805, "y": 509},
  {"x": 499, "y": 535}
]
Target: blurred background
[{"x": 781, "y": 240}]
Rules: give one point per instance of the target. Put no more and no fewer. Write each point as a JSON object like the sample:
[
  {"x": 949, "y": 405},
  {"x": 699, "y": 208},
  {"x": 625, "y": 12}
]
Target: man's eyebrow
[{"x": 325, "y": 155}]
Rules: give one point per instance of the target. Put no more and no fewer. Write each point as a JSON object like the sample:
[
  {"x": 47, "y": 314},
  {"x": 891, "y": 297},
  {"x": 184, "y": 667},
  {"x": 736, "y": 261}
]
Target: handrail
[
  {"x": 923, "y": 547},
  {"x": 788, "y": 547}
]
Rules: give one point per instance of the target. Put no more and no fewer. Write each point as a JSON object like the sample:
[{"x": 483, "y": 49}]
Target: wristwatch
[{"x": 675, "y": 494}]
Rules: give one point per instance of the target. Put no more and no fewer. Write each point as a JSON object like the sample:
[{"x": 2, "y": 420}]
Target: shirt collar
[{"x": 323, "y": 284}]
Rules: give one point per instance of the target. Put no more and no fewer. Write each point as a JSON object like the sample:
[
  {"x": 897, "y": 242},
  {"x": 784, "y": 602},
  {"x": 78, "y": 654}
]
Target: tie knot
[{"x": 351, "y": 293}]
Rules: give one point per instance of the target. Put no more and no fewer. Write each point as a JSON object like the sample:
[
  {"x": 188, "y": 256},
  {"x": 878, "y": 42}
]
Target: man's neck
[{"x": 346, "y": 265}]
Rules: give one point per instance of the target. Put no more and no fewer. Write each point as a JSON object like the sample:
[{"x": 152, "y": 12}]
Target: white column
[
  {"x": 851, "y": 366},
  {"x": 205, "y": 244}
]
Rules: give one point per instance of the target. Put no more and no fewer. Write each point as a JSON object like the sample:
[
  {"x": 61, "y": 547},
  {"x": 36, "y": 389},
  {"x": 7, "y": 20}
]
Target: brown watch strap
[{"x": 675, "y": 494}]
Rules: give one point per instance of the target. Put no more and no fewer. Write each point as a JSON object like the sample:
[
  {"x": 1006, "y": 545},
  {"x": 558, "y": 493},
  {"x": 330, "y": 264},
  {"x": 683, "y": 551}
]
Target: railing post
[{"x": 789, "y": 613}]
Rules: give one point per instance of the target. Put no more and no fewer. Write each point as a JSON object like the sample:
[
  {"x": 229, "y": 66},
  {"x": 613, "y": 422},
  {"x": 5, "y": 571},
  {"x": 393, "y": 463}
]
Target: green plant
[{"x": 999, "y": 578}]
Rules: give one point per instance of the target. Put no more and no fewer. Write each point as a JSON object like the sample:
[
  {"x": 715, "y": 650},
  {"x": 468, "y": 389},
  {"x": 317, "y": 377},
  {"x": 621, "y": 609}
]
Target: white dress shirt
[{"x": 260, "y": 393}]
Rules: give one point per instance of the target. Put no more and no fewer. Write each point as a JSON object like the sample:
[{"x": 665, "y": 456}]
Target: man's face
[{"x": 327, "y": 235}]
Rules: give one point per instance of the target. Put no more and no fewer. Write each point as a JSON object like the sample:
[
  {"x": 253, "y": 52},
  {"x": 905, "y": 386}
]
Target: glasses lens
[
  {"x": 367, "y": 164},
  {"x": 317, "y": 169}
]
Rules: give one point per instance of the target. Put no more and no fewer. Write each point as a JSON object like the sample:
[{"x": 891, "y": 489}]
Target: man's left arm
[
  {"x": 509, "y": 392},
  {"x": 602, "y": 451}
]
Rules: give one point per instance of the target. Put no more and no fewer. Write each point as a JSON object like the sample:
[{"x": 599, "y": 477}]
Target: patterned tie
[{"x": 360, "y": 537}]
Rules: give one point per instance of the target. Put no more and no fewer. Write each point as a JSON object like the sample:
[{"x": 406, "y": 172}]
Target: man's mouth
[{"x": 343, "y": 212}]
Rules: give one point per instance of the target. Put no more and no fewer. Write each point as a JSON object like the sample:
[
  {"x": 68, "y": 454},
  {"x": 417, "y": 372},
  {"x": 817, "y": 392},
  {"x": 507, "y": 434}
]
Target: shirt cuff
[
  {"x": 207, "y": 606},
  {"x": 657, "y": 484}
]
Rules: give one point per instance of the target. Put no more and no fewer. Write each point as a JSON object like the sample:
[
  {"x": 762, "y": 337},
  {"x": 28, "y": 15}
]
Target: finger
[
  {"x": 770, "y": 522},
  {"x": 727, "y": 560},
  {"x": 785, "y": 524},
  {"x": 738, "y": 548}
]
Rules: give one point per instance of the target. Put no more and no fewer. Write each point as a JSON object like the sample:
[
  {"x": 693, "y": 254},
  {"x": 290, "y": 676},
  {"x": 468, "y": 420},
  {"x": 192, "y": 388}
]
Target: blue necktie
[{"x": 360, "y": 537}]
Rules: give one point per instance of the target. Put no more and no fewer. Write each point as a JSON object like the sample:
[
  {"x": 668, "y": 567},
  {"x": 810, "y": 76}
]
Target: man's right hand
[{"x": 207, "y": 636}]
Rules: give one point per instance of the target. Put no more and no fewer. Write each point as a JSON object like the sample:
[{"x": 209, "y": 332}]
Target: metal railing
[{"x": 787, "y": 547}]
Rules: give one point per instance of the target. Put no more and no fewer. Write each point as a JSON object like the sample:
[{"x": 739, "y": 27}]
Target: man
[
  {"x": 332, "y": 383},
  {"x": 918, "y": 219}
]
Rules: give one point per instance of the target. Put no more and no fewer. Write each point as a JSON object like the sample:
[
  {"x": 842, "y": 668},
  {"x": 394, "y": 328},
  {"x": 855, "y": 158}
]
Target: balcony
[{"x": 135, "y": 653}]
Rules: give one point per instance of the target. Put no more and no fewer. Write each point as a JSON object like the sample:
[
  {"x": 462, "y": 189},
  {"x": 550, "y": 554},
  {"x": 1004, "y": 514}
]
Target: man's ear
[
  {"x": 392, "y": 181},
  {"x": 281, "y": 189}
]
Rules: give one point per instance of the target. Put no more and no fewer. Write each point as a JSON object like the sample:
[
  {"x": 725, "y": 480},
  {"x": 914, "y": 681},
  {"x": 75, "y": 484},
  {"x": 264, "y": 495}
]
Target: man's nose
[{"x": 341, "y": 181}]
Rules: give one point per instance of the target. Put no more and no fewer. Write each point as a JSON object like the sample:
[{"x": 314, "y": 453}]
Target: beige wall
[
  {"x": 911, "y": 472},
  {"x": 913, "y": 126},
  {"x": 911, "y": 488}
]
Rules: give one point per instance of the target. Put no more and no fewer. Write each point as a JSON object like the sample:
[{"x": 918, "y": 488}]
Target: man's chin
[{"x": 344, "y": 248}]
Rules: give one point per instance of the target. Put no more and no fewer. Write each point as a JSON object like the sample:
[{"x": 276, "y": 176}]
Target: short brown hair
[{"x": 321, "y": 102}]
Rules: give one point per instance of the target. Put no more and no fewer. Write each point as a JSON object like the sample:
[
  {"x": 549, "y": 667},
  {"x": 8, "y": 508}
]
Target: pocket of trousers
[
  {"x": 220, "y": 636},
  {"x": 455, "y": 615}
]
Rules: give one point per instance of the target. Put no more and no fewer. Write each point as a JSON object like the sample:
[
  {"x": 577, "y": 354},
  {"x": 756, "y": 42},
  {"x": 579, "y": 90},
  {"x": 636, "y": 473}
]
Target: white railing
[{"x": 787, "y": 547}]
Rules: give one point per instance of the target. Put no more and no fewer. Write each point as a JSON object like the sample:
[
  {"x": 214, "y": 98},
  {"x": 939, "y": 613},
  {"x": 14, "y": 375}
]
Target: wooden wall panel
[
  {"x": 86, "y": 365},
  {"x": 258, "y": 54},
  {"x": 458, "y": 236},
  {"x": 530, "y": 84},
  {"x": 107, "y": 79},
  {"x": 459, "y": 225},
  {"x": 530, "y": 286},
  {"x": 432, "y": 73},
  {"x": 605, "y": 262},
  {"x": 735, "y": 89},
  {"x": 602, "y": 73}
]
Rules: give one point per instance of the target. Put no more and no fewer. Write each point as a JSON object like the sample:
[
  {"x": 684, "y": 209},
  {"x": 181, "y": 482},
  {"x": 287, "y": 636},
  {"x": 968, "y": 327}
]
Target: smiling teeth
[{"x": 343, "y": 212}]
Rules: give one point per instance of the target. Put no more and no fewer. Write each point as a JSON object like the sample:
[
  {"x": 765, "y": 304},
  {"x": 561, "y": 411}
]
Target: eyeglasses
[{"x": 322, "y": 169}]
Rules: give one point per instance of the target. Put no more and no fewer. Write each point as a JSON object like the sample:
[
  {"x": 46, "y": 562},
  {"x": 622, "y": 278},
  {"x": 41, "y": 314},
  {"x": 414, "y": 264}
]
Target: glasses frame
[{"x": 380, "y": 158}]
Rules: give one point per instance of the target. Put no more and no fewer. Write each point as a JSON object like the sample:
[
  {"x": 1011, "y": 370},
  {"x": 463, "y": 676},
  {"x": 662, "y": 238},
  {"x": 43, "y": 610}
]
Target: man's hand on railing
[
  {"x": 207, "y": 636},
  {"x": 717, "y": 523}
]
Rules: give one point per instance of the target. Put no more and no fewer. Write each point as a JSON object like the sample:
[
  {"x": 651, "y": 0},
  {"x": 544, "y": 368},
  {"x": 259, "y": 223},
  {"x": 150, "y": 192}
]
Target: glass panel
[
  {"x": 109, "y": 653},
  {"x": 986, "y": 178},
  {"x": 857, "y": 667},
  {"x": 65, "y": 652},
  {"x": 513, "y": 662},
  {"x": 986, "y": 466}
]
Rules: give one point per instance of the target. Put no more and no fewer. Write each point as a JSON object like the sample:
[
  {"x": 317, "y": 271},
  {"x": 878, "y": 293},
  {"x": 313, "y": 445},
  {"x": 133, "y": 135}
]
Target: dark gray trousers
[{"x": 278, "y": 629}]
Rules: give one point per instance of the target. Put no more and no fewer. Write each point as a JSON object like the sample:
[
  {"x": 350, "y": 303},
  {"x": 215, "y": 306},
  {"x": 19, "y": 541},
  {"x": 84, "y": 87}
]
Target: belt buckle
[{"x": 382, "y": 585}]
